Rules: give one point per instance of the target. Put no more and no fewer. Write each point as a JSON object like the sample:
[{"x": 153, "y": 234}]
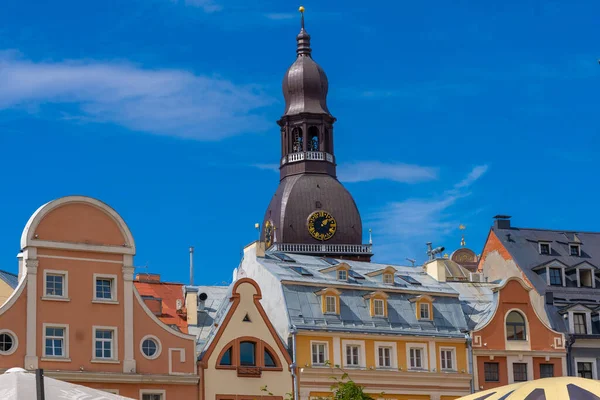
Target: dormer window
[
  {"x": 388, "y": 279},
  {"x": 330, "y": 300},
  {"x": 579, "y": 324},
  {"x": 342, "y": 275},
  {"x": 330, "y": 305},
  {"x": 556, "y": 276},
  {"x": 378, "y": 307},
  {"x": 574, "y": 250},
  {"x": 424, "y": 309},
  {"x": 544, "y": 248},
  {"x": 377, "y": 304}
]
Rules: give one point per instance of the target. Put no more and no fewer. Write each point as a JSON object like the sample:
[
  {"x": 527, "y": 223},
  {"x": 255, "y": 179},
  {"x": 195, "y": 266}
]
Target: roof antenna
[
  {"x": 191, "y": 265},
  {"x": 370, "y": 236},
  {"x": 411, "y": 261}
]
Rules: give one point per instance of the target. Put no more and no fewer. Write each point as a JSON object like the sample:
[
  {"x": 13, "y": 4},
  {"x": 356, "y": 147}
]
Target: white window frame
[
  {"x": 375, "y": 314},
  {"x": 163, "y": 393},
  {"x": 65, "y": 275},
  {"x": 115, "y": 345},
  {"x": 361, "y": 353},
  {"x": 65, "y": 356},
  {"x": 577, "y": 360},
  {"x": 578, "y": 249},
  {"x": 325, "y": 353},
  {"x": 148, "y": 337},
  {"x": 452, "y": 351},
  {"x": 393, "y": 355},
  {"x": 14, "y": 339},
  {"x": 339, "y": 274},
  {"x": 387, "y": 281},
  {"x": 549, "y": 248},
  {"x": 114, "y": 291},
  {"x": 424, "y": 356},
  {"x": 588, "y": 320},
  {"x": 421, "y": 304},
  {"x": 327, "y": 311},
  {"x": 591, "y": 272}
]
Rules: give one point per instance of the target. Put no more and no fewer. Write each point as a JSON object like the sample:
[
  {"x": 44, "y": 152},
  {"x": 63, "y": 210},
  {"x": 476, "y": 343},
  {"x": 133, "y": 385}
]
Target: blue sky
[{"x": 448, "y": 113}]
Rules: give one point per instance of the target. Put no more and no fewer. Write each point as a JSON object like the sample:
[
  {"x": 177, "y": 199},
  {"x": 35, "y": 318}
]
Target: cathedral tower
[{"x": 311, "y": 212}]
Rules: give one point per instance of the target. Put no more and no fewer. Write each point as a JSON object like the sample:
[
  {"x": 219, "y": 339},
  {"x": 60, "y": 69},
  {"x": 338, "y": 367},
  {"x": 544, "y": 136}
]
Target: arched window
[
  {"x": 226, "y": 357},
  {"x": 269, "y": 360},
  {"x": 313, "y": 134},
  {"x": 248, "y": 353},
  {"x": 297, "y": 145},
  {"x": 515, "y": 326}
]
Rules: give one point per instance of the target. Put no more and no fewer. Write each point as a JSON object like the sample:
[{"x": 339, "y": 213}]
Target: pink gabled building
[{"x": 77, "y": 314}]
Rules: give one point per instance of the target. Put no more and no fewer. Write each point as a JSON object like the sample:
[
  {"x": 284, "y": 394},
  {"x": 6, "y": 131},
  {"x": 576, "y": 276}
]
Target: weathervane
[{"x": 462, "y": 240}]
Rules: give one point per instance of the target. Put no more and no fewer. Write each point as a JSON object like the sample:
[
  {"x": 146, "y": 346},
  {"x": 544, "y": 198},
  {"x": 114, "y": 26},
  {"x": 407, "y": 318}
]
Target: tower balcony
[
  {"x": 307, "y": 156},
  {"x": 333, "y": 249}
]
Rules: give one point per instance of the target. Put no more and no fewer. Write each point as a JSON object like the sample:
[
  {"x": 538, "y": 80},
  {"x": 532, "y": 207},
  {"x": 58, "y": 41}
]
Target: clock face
[
  {"x": 268, "y": 234},
  {"x": 321, "y": 225}
]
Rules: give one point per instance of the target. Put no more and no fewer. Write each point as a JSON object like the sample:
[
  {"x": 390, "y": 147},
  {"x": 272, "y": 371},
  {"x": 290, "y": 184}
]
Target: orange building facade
[
  {"x": 514, "y": 344},
  {"x": 77, "y": 314}
]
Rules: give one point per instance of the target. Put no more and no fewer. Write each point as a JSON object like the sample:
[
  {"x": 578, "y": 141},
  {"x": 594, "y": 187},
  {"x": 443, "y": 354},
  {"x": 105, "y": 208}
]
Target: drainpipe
[
  {"x": 293, "y": 331},
  {"x": 470, "y": 355},
  {"x": 570, "y": 341}
]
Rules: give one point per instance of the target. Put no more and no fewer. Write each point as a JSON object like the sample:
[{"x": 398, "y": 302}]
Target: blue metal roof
[{"x": 11, "y": 279}]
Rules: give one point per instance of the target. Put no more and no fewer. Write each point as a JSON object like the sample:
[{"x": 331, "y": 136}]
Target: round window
[
  {"x": 7, "y": 343},
  {"x": 150, "y": 348}
]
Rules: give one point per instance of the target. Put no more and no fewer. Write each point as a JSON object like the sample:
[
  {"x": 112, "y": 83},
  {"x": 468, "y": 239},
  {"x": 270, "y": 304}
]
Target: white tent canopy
[{"x": 18, "y": 384}]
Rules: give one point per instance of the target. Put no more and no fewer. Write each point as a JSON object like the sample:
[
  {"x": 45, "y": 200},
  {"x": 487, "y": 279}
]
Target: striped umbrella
[{"x": 562, "y": 388}]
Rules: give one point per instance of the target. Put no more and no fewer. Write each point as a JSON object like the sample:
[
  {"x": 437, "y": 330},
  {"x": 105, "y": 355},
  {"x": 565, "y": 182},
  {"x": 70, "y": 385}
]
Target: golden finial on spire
[
  {"x": 301, "y": 9},
  {"x": 462, "y": 240}
]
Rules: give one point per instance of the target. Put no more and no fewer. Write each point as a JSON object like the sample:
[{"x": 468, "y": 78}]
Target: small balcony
[
  {"x": 307, "y": 155},
  {"x": 358, "y": 249},
  {"x": 249, "y": 372}
]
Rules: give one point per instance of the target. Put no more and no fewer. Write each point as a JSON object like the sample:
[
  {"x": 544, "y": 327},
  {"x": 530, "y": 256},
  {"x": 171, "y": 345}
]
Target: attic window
[
  {"x": 342, "y": 275},
  {"x": 301, "y": 271},
  {"x": 282, "y": 257},
  {"x": 355, "y": 275},
  {"x": 574, "y": 250},
  {"x": 410, "y": 280},
  {"x": 544, "y": 248},
  {"x": 388, "y": 279},
  {"x": 330, "y": 261}
]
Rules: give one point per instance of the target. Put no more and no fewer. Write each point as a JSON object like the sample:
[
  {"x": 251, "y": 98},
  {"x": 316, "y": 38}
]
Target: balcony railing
[
  {"x": 307, "y": 155},
  {"x": 322, "y": 248}
]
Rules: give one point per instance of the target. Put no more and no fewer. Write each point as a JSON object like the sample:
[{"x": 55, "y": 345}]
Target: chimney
[
  {"x": 436, "y": 269},
  {"x": 549, "y": 298},
  {"x": 201, "y": 301},
  {"x": 502, "y": 222},
  {"x": 191, "y": 265},
  {"x": 191, "y": 304},
  {"x": 146, "y": 277}
]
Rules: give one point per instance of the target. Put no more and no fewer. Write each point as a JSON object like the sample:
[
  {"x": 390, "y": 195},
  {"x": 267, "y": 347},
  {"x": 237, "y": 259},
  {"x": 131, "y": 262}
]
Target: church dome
[
  {"x": 305, "y": 84},
  {"x": 299, "y": 196}
]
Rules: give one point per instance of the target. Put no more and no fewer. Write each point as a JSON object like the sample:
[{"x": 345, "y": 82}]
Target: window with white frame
[
  {"x": 388, "y": 279},
  {"x": 105, "y": 288},
  {"x": 55, "y": 341},
  {"x": 555, "y": 276},
  {"x": 574, "y": 250},
  {"x": 55, "y": 284},
  {"x": 579, "y": 324},
  {"x": 150, "y": 395},
  {"x": 424, "y": 311},
  {"x": 352, "y": 355},
  {"x": 378, "y": 308},
  {"x": 150, "y": 347},
  {"x": 544, "y": 248},
  {"x": 105, "y": 343},
  {"x": 8, "y": 342},
  {"x": 342, "y": 275},
  {"x": 384, "y": 356},
  {"x": 447, "y": 359},
  {"x": 331, "y": 304},
  {"x": 416, "y": 355},
  {"x": 319, "y": 353}
]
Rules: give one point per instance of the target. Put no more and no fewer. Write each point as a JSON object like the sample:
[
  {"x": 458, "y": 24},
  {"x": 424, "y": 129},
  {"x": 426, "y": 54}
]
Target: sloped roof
[
  {"x": 168, "y": 293},
  {"x": 11, "y": 279},
  {"x": 215, "y": 309},
  {"x": 478, "y": 302}
]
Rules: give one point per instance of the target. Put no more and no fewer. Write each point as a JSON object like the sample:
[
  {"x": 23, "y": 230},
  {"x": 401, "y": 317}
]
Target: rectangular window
[
  {"x": 520, "y": 372},
  {"x": 152, "y": 396},
  {"x": 378, "y": 308},
  {"x": 55, "y": 285},
  {"x": 352, "y": 358},
  {"x": 556, "y": 276},
  {"x": 318, "y": 353},
  {"x": 574, "y": 250},
  {"x": 424, "y": 311},
  {"x": 342, "y": 275},
  {"x": 586, "y": 278},
  {"x": 388, "y": 279},
  {"x": 104, "y": 344},
  {"x": 584, "y": 370},
  {"x": 416, "y": 358},
  {"x": 54, "y": 345},
  {"x": 330, "y": 304},
  {"x": 579, "y": 324},
  {"x": 546, "y": 370},
  {"x": 104, "y": 288},
  {"x": 447, "y": 359},
  {"x": 385, "y": 357},
  {"x": 491, "y": 371},
  {"x": 544, "y": 248}
]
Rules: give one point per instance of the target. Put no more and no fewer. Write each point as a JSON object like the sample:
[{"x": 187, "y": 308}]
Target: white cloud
[
  {"x": 374, "y": 170},
  {"x": 164, "y": 102},
  {"x": 403, "y": 227},
  {"x": 281, "y": 16},
  {"x": 267, "y": 167},
  {"x": 208, "y": 6}
]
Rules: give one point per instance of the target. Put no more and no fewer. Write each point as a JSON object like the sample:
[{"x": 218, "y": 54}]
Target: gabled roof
[{"x": 168, "y": 294}]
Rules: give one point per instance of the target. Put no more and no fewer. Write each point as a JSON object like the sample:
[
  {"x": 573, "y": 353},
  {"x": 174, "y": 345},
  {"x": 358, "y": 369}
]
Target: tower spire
[{"x": 303, "y": 37}]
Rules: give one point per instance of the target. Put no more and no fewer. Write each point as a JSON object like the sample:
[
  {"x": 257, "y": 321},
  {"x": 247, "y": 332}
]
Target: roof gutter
[{"x": 295, "y": 377}]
